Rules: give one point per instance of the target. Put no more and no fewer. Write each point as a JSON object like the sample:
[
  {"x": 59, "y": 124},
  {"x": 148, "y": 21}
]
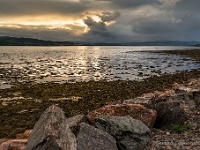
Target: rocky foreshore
[{"x": 165, "y": 120}]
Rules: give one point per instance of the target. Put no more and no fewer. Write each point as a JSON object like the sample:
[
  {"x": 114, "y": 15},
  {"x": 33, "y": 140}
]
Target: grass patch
[{"x": 178, "y": 128}]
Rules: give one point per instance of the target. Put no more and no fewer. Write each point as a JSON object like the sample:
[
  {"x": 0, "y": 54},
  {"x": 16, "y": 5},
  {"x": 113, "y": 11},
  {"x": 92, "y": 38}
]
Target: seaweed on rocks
[{"x": 19, "y": 113}]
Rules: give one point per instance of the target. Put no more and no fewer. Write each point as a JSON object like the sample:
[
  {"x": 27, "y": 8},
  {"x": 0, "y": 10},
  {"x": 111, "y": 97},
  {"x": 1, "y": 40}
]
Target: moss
[{"x": 178, "y": 128}]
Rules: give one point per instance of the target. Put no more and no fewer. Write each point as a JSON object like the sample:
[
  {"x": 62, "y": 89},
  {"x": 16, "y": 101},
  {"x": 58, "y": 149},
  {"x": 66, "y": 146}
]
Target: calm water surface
[{"x": 83, "y": 63}]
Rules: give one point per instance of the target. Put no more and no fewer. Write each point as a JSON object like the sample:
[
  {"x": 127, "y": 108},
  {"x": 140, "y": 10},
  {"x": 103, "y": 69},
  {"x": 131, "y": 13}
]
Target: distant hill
[
  {"x": 149, "y": 43},
  {"x": 14, "y": 41},
  {"x": 21, "y": 41}
]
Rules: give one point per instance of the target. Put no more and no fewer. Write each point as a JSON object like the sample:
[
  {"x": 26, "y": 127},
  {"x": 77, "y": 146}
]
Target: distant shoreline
[{"x": 21, "y": 41}]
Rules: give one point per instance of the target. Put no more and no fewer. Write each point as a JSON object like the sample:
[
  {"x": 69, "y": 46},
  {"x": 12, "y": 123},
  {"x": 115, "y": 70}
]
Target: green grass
[{"x": 178, "y": 128}]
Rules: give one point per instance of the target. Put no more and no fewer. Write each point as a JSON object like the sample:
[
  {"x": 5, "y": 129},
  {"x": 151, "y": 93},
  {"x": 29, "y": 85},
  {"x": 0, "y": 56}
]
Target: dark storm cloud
[
  {"x": 109, "y": 16},
  {"x": 154, "y": 28},
  {"x": 98, "y": 30},
  {"x": 173, "y": 20},
  {"x": 95, "y": 25},
  {"x": 120, "y": 20},
  {"x": 188, "y": 6},
  {"x": 39, "y": 7},
  {"x": 129, "y": 3}
]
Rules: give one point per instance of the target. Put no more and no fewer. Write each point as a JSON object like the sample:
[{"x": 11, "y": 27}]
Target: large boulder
[
  {"x": 130, "y": 134},
  {"x": 137, "y": 111},
  {"x": 168, "y": 114},
  {"x": 52, "y": 132},
  {"x": 90, "y": 138},
  {"x": 14, "y": 144}
]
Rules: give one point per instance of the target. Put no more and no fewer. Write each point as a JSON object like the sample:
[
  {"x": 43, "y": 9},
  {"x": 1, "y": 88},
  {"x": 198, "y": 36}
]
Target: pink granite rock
[
  {"x": 165, "y": 93},
  {"x": 136, "y": 111},
  {"x": 14, "y": 144},
  {"x": 149, "y": 95}
]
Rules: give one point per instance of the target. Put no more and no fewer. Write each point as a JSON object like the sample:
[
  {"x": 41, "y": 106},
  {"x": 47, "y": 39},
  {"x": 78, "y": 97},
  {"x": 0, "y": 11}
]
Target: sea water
[{"x": 85, "y": 63}]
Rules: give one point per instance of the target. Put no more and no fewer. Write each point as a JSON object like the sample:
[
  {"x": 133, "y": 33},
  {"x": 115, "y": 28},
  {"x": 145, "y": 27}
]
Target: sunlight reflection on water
[{"x": 82, "y": 63}]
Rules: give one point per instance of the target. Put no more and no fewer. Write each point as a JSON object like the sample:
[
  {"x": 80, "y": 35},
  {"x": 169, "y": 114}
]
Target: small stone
[
  {"x": 4, "y": 103},
  {"x": 165, "y": 93},
  {"x": 24, "y": 135},
  {"x": 22, "y": 111},
  {"x": 139, "y": 100},
  {"x": 149, "y": 95},
  {"x": 27, "y": 133}
]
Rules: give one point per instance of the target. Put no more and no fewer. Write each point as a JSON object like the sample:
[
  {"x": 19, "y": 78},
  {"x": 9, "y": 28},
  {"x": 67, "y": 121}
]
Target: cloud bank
[{"x": 101, "y": 20}]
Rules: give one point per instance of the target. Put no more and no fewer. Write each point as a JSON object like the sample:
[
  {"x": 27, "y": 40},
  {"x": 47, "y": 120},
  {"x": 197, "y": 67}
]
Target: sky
[{"x": 101, "y": 20}]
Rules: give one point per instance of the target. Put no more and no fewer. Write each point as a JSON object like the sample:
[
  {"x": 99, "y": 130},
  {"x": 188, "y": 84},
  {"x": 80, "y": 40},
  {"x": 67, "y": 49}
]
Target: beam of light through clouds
[{"x": 101, "y": 20}]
